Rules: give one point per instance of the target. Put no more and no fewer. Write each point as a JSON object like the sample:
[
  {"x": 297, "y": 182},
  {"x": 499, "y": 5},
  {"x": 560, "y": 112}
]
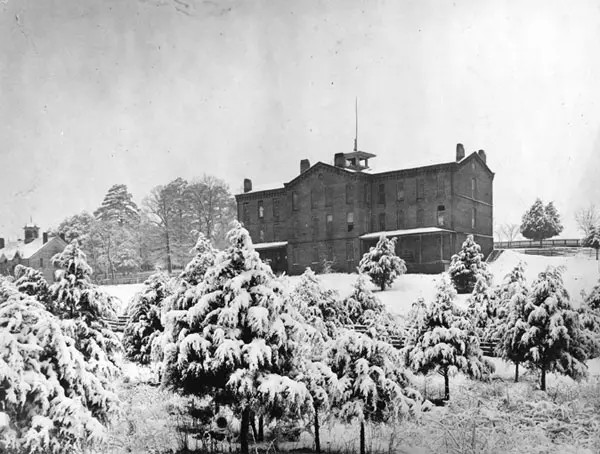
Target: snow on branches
[
  {"x": 382, "y": 264},
  {"x": 51, "y": 401},
  {"x": 444, "y": 339},
  {"x": 144, "y": 325},
  {"x": 467, "y": 265}
]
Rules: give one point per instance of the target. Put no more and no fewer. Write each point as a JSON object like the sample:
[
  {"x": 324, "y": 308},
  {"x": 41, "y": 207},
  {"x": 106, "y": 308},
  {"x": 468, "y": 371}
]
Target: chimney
[
  {"x": 247, "y": 185},
  {"x": 2, "y": 243},
  {"x": 44, "y": 237},
  {"x": 482, "y": 155},
  {"x": 304, "y": 165},
  {"x": 339, "y": 160},
  {"x": 460, "y": 152}
]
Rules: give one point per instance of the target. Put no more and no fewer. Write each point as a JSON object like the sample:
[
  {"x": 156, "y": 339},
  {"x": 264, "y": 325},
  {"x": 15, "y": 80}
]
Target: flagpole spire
[{"x": 356, "y": 124}]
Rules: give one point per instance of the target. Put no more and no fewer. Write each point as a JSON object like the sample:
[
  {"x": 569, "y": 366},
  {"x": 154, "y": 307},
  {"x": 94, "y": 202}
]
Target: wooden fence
[{"x": 525, "y": 244}]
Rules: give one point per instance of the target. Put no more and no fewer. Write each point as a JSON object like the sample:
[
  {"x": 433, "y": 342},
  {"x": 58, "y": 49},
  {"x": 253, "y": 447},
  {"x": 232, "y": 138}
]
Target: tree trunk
[
  {"x": 317, "y": 435},
  {"x": 244, "y": 429},
  {"x": 261, "y": 428},
  {"x": 362, "y": 437},
  {"x": 168, "y": 244},
  {"x": 543, "y": 383},
  {"x": 597, "y": 253},
  {"x": 517, "y": 372},
  {"x": 446, "y": 385}
]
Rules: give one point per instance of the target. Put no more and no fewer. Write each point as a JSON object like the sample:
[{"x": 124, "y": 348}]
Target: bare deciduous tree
[
  {"x": 587, "y": 219},
  {"x": 507, "y": 232}
]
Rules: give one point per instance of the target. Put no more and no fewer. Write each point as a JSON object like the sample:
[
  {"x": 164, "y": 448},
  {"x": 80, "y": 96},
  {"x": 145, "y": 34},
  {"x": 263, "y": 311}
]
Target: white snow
[
  {"x": 123, "y": 293},
  {"x": 391, "y": 233}
]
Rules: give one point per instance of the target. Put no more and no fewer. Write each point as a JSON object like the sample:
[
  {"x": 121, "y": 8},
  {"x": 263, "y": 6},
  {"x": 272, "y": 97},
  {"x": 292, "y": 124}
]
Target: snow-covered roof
[
  {"x": 273, "y": 245},
  {"x": 25, "y": 251},
  {"x": 389, "y": 233},
  {"x": 265, "y": 187}
]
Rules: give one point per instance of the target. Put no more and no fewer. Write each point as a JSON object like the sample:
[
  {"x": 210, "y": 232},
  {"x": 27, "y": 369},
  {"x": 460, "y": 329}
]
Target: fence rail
[
  {"x": 133, "y": 278},
  {"x": 521, "y": 244}
]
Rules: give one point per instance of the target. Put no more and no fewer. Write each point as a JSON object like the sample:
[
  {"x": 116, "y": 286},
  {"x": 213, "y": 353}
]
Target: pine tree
[
  {"x": 382, "y": 264},
  {"x": 50, "y": 400},
  {"x": 541, "y": 222},
  {"x": 241, "y": 343},
  {"x": 467, "y": 265},
  {"x": 444, "y": 339},
  {"x": 371, "y": 383},
  {"x": 589, "y": 315},
  {"x": 82, "y": 307},
  {"x": 482, "y": 308},
  {"x": 144, "y": 324},
  {"x": 118, "y": 206},
  {"x": 592, "y": 239},
  {"x": 32, "y": 282},
  {"x": 554, "y": 337},
  {"x": 511, "y": 323}
]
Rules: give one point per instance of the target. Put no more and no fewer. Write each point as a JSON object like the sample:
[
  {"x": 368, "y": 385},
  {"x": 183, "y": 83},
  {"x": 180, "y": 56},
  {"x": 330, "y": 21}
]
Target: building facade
[
  {"x": 329, "y": 215},
  {"x": 33, "y": 251}
]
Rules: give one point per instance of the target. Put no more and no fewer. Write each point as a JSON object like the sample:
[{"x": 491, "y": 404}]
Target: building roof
[
  {"x": 273, "y": 245},
  {"x": 25, "y": 251},
  {"x": 404, "y": 232}
]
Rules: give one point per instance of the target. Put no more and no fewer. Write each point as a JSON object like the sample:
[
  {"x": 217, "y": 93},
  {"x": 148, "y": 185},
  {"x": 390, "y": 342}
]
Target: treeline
[{"x": 120, "y": 237}]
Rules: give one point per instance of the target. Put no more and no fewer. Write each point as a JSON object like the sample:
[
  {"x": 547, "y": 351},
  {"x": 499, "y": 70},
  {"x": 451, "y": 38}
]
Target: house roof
[
  {"x": 404, "y": 232},
  {"x": 25, "y": 251}
]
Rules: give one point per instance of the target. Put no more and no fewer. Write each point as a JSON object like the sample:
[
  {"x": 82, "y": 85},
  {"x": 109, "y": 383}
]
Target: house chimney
[
  {"x": 44, "y": 237},
  {"x": 2, "y": 243},
  {"x": 460, "y": 152},
  {"x": 339, "y": 160},
  {"x": 482, "y": 155},
  {"x": 304, "y": 165},
  {"x": 247, "y": 185}
]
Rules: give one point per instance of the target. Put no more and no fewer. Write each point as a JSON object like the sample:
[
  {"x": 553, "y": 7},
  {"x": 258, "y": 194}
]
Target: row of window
[{"x": 317, "y": 255}]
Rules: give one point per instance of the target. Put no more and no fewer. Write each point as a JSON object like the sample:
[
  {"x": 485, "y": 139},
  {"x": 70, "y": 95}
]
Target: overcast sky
[{"x": 99, "y": 92}]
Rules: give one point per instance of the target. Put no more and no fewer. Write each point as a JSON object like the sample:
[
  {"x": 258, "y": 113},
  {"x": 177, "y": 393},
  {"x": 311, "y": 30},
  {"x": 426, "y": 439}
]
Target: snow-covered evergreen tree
[
  {"x": 371, "y": 382},
  {"x": 32, "y": 282},
  {"x": 118, "y": 206},
  {"x": 50, "y": 400},
  {"x": 467, "y": 265},
  {"x": 382, "y": 264},
  {"x": 483, "y": 307},
  {"x": 444, "y": 339},
  {"x": 82, "y": 306},
  {"x": 541, "y": 222},
  {"x": 240, "y": 344},
  {"x": 592, "y": 239},
  {"x": 589, "y": 315},
  {"x": 511, "y": 323},
  {"x": 144, "y": 324},
  {"x": 554, "y": 337},
  {"x": 364, "y": 308}
]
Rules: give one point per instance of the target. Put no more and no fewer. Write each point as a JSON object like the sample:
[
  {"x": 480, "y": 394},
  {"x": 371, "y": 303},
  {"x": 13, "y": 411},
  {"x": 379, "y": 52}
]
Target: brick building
[
  {"x": 33, "y": 251},
  {"x": 334, "y": 213}
]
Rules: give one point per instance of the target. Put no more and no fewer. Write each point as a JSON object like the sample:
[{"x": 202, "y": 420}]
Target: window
[
  {"x": 330, "y": 252},
  {"x": 367, "y": 195},
  {"x": 245, "y": 214},
  {"x": 420, "y": 216},
  {"x": 276, "y": 209},
  {"x": 350, "y": 220},
  {"x": 473, "y": 218},
  {"x": 294, "y": 201},
  {"x": 381, "y": 194},
  {"x": 295, "y": 256},
  {"x": 441, "y": 185},
  {"x": 41, "y": 262},
  {"x": 261, "y": 235},
  {"x": 473, "y": 187},
  {"x": 329, "y": 223},
  {"x": 441, "y": 211},
  {"x": 296, "y": 229},
  {"x": 349, "y": 251},
  {"x": 314, "y": 198},
  {"x": 400, "y": 191},
  {"x": 420, "y": 188},
  {"x": 315, "y": 254},
  {"x": 399, "y": 219},
  {"x": 473, "y": 165},
  {"x": 261, "y": 210},
  {"x": 349, "y": 193},
  {"x": 328, "y": 197},
  {"x": 276, "y": 232},
  {"x": 382, "y": 221},
  {"x": 315, "y": 227}
]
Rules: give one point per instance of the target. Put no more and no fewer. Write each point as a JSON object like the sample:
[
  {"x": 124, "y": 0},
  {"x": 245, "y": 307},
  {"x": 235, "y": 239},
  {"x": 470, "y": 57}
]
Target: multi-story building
[
  {"x": 33, "y": 251},
  {"x": 334, "y": 213}
]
